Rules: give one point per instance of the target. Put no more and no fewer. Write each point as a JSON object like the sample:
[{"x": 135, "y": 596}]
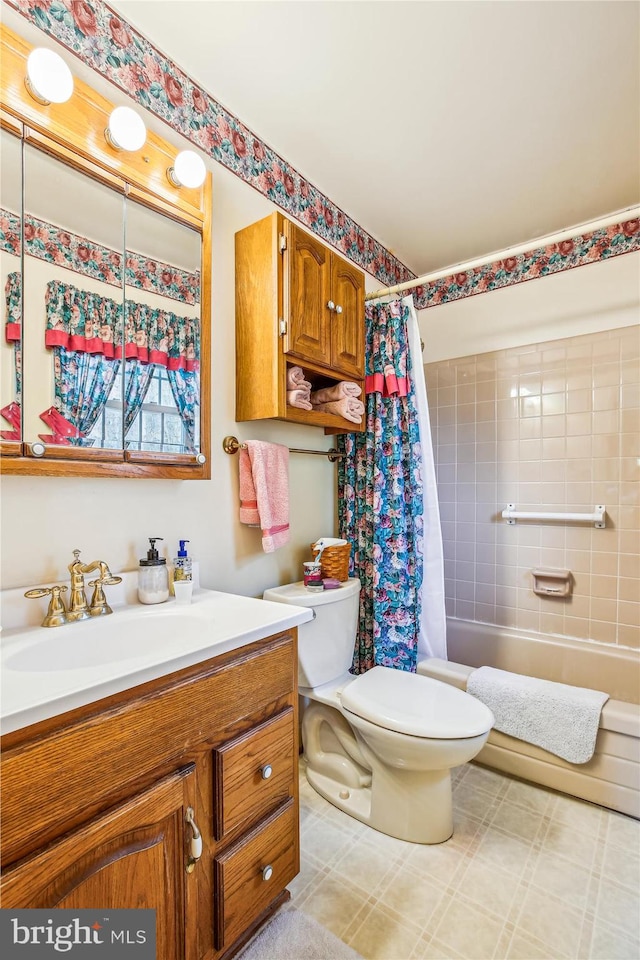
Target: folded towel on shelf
[
  {"x": 296, "y": 378},
  {"x": 345, "y": 388},
  {"x": 555, "y": 716},
  {"x": 264, "y": 491},
  {"x": 349, "y": 408},
  {"x": 299, "y": 398}
]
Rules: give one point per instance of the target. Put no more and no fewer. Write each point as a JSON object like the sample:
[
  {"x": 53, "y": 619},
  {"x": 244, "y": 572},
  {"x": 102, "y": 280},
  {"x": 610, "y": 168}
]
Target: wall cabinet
[
  {"x": 97, "y": 803},
  {"x": 297, "y": 304}
]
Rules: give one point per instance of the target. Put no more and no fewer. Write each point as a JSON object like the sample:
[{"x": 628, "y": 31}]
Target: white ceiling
[{"x": 447, "y": 130}]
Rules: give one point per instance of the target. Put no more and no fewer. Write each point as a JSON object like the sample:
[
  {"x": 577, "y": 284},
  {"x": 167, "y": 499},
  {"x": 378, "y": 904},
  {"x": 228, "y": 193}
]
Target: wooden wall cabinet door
[
  {"x": 347, "y": 323},
  {"x": 134, "y": 854},
  {"x": 323, "y": 305}
]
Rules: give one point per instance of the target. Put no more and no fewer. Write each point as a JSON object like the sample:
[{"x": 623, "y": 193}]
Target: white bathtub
[{"x": 612, "y": 776}]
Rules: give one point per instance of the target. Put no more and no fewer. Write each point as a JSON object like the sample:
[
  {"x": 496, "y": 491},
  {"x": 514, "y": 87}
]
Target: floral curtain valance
[
  {"x": 88, "y": 323},
  {"x": 386, "y": 350}
]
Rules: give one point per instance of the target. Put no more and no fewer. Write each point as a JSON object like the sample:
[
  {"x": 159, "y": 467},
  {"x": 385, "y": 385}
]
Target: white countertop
[{"x": 47, "y": 671}]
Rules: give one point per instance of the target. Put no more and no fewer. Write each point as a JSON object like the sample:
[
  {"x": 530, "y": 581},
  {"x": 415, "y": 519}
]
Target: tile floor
[{"x": 527, "y": 874}]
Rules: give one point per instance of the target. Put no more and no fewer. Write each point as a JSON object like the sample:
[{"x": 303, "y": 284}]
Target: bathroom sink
[{"x": 92, "y": 643}]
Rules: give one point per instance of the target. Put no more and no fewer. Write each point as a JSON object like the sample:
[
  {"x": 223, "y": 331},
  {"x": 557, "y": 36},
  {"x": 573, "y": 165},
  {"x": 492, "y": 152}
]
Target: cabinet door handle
[
  {"x": 266, "y": 771},
  {"x": 331, "y": 305},
  {"x": 338, "y": 308},
  {"x": 195, "y": 844},
  {"x": 267, "y": 872}
]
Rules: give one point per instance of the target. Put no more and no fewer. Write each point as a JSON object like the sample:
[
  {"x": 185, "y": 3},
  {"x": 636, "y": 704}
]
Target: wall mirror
[{"x": 106, "y": 308}]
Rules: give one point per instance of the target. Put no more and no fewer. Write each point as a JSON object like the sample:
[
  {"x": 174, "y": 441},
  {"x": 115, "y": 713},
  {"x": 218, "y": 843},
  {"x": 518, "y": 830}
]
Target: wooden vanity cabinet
[
  {"x": 96, "y": 801},
  {"x": 297, "y": 304}
]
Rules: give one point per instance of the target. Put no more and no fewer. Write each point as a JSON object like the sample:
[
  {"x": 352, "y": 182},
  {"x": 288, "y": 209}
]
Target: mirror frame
[{"x": 74, "y": 132}]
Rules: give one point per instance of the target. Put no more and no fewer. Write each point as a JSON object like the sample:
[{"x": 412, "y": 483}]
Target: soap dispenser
[
  {"x": 153, "y": 581},
  {"x": 182, "y": 575}
]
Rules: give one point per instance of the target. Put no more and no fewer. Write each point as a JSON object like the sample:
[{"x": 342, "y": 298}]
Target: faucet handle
[
  {"x": 99, "y": 606},
  {"x": 76, "y": 554},
  {"x": 56, "y": 615}
]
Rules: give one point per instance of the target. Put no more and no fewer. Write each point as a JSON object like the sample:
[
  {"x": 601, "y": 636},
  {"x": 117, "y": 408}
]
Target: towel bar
[
  {"x": 510, "y": 514},
  {"x": 232, "y": 445}
]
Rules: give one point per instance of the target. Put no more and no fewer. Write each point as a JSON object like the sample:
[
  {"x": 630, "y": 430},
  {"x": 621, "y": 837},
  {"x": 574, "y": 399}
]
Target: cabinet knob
[
  {"x": 267, "y": 872},
  {"x": 331, "y": 305},
  {"x": 266, "y": 771},
  {"x": 338, "y": 308}
]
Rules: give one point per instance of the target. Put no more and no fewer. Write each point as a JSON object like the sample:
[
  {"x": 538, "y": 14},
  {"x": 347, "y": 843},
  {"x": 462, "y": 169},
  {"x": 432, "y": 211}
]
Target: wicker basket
[{"x": 334, "y": 561}]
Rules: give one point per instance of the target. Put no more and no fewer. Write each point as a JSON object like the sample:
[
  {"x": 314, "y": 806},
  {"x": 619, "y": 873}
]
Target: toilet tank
[{"x": 326, "y": 643}]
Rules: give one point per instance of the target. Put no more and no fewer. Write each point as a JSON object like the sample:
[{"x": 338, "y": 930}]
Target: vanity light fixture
[
  {"x": 126, "y": 130},
  {"x": 48, "y": 78},
  {"x": 188, "y": 170}
]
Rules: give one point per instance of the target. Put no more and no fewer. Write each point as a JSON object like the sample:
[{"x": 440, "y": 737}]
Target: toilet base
[{"x": 431, "y": 801}]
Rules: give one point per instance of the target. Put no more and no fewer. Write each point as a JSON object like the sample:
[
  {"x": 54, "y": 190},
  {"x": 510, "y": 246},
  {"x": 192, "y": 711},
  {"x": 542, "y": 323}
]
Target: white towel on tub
[{"x": 555, "y": 716}]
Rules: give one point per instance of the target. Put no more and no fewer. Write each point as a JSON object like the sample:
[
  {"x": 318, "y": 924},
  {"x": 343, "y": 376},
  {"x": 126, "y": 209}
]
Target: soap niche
[{"x": 552, "y": 582}]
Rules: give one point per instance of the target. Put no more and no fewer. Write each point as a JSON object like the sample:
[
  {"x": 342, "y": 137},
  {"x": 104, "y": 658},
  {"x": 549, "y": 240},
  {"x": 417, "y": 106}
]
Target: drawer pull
[
  {"x": 338, "y": 308},
  {"x": 266, "y": 771},
  {"x": 331, "y": 305},
  {"x": 267, "y": 872},
  {"x": 195, "y": 844}
]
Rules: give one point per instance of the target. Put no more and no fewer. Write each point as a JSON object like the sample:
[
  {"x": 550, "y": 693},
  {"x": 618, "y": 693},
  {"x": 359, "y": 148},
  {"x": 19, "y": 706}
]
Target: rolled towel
[
  {"x": 299, "y": 398},
  {"x": 345, "y": 388},
  {"x": 349, "y": 408},
  {"x": 296, "y": 378}
]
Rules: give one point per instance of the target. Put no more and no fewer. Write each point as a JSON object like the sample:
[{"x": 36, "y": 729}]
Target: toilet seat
[{"x": 416, "y": 705}]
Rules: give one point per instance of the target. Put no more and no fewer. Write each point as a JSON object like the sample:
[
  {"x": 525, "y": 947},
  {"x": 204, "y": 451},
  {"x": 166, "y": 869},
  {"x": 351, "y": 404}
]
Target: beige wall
[
  {"x": 43, "y": 520},
  {"x": 551, "y": 424}
]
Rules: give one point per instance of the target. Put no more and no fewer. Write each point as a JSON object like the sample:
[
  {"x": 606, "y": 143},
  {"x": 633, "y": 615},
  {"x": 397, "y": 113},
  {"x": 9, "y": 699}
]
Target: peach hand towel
[
  {"x": 296, "y": 378},
  {"x": 349, "y": 408},
  {"x": 299, "y": 398},
  {"x": 264, "y": 491},
  {"x": 345, "y": 388}
]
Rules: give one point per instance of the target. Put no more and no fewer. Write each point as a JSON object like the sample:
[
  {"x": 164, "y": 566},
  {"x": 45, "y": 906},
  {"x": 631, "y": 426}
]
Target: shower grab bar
[{"x": 511, "y": 514}]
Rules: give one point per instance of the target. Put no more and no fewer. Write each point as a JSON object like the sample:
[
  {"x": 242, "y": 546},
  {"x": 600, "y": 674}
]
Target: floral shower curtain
[{"x": 380, "y": 492}]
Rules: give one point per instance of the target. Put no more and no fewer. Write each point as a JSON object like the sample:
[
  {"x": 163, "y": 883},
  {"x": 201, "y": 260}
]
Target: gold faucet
[{"x": 79, "y": 609}]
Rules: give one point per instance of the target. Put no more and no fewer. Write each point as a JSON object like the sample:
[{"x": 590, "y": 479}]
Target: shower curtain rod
[{"x": 629, "y": 213}]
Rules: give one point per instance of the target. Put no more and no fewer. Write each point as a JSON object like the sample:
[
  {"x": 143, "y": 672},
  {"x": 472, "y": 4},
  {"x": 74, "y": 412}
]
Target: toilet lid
[{"x": 417, "y": 705}]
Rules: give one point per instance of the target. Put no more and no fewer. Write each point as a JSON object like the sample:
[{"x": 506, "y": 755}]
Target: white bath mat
[
  {"x": 293, "y": 935},
  {"x": 555, "y": 716}
]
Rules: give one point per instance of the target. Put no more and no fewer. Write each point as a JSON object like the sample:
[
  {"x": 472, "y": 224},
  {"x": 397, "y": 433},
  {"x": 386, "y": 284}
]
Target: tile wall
[{"x": 549, "y": 426}]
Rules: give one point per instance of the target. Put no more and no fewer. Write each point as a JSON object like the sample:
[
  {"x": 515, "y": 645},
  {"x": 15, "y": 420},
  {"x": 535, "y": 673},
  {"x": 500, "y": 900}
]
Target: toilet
[{"x": 380, "y": 746}]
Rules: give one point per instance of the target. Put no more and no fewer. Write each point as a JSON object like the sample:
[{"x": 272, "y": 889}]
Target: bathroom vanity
[{"x": 178, "y": 793}]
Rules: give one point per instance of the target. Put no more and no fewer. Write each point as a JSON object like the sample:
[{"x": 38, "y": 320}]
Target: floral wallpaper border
[
  {"x": 48, "y": 242},
  {"x": 539, "y": 262},
  {"x": 114, "y": 48}
]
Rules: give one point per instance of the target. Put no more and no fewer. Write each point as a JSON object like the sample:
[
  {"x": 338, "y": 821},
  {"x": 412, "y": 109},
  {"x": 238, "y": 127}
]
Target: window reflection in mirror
[
  {"x": 162, "y": 333},
  {"x": 11, "y": 277},
  {"x": 73, "y": 293}
]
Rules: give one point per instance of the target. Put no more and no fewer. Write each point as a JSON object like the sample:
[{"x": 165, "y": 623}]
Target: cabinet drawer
[
  {"x": 243, "y": 885},
  {"x": 254, "y": 773}
]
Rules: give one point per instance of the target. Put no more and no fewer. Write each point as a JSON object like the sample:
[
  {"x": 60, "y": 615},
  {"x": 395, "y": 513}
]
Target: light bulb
[
  {"x": 188, "y": 170},
  {"x": 48, "y": 78},
  {"x": 126, "y": 130}
]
